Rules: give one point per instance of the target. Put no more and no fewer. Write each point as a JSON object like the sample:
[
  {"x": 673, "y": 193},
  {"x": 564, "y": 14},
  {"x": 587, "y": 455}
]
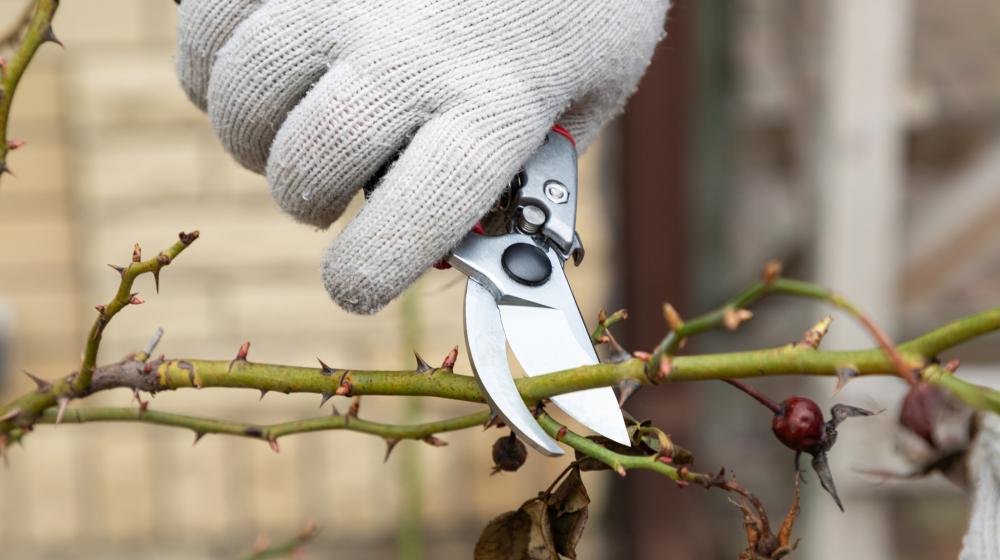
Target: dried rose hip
[{"x": 508, "y": 453}]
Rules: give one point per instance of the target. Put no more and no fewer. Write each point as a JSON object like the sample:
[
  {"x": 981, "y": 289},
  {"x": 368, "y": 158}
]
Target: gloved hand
[
  {"x": 982, "y": 539},
  {"x": 319, "y": 94}
]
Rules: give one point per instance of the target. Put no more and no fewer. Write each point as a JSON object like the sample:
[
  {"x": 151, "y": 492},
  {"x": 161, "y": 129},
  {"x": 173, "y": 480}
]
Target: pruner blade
[
  {"x": 545, "y": 330},
  {"x": 484, "y": 337}
]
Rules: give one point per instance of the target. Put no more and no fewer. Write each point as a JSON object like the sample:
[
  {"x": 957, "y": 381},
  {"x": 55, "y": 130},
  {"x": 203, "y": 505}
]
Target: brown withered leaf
[
  {"x": 525, "y": 534},
  {"x": 762, "y": 544},
  {"x": 568, "y": 512}
]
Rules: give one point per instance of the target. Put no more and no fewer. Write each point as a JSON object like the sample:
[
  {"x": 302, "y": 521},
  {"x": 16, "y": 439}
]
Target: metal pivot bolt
[
  {"x": 556, "y": 192},
  {"x": 527, "y": 264},
  {"x": 531, "y": 220}
]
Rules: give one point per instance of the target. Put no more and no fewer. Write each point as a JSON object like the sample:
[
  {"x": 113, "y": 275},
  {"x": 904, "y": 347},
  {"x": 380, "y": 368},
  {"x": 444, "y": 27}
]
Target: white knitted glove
[
  {"x": 982, "y": 540},
  {"x": 319, "y": 94}
]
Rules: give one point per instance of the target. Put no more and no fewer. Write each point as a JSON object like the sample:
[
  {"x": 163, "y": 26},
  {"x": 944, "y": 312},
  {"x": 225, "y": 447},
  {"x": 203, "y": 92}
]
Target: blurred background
[{"x": 856, "y": 141}]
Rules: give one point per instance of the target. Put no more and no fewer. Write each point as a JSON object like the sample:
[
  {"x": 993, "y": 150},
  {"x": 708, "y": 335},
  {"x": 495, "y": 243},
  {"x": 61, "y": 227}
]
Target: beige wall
[{"x": 115, "y": 155}]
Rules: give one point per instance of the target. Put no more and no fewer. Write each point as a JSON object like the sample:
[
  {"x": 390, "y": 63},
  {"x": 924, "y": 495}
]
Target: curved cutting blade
[
  {"x": 550, "y": 335},
  {"x": 488, "y": 353}
]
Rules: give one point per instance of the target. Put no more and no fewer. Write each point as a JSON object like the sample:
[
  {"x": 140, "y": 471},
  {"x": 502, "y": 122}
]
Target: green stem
[
  {"x": 39, "y": 30},
  {"x": 976, "y": 396},
  {"x": 621, "y": 463},
  {"x": 266, "y": 432}
]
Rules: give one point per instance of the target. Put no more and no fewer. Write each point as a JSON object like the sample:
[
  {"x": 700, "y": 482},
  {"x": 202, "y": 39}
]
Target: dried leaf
[
  {"x": 822, "y": 468},
  {"x": 568, "y": 512},
  {"x": 524, "y": 534},
  {"x": 785, "y": 533},
  {"x": 841, "y": 412}
]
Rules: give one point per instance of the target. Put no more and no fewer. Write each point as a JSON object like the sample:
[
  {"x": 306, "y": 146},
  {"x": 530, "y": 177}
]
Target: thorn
[
  {"x": 561, "y": 433},
  {"x": 100, "y": 308},
  {"x": 197, "y": 438},
  {"x": 732, "y": 317},
  {"x": 41, "y": 384},
  {"x": 63, "y": 404},
  {"x": 449, "y": 360},
  {"x": 390, "y": 444},
  {"x": 143, "y": 405},
  {"x": 49, "y": 36},
  {"x": 952, "y": 366},
  {"x": 5, "y": 169},
  {"x": 352, "y": 412},
  {"x": 241, "y": 356},
  {"x": 134, "y": 299},
  {"x": 672, "y": 317},
  {"x": 119, "y": 269},
  {"x": 263, "y": 393},
  {"x": 273, "y": 442},
  {"x": 243, "y": 351},
  {"x": 619, "y": 469},
  {"x": 422, "y": 366},
  {"x": 136, "y": 253},
  {"x": 844, "y": 374},
  {"x": 434, "y": 441},
  {"x": 12, "y": 414},
  {"x": 325, "y": 398},
  {"x": 814, "y": 336},
  {"x": 156, "y": 279},
  {"x": 627, "y": 388},
  {"x": 188, "y": 238},
  {"x": 323, "y": 368},
  {"x": 12, "y": 144},
  {"x": 772, "y": 271},
  {"x": 493, "y": 422}
]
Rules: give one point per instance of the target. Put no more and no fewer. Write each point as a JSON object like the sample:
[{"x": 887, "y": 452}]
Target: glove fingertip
[{"x": 355, "y": 288}]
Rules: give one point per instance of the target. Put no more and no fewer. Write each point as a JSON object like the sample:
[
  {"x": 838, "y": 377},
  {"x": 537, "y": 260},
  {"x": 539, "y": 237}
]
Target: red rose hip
[{"x": 799, "y": 424}]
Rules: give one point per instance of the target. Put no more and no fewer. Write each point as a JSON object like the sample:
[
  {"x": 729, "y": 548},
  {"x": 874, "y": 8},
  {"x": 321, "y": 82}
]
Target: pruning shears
[{"x": 517, "y": 293}]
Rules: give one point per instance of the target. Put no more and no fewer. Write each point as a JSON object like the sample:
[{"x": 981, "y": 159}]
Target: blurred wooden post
[
  {"x": 858, "y": 173},
  {"x": 651, "y": 516}
]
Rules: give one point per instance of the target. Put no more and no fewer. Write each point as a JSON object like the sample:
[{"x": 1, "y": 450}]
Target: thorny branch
[
  {"x": 735, "y": 312},
  {"x": 22, "y": 413},
  {"x": 37, "y": 30},
  {"x": 140, "y": 372}
]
